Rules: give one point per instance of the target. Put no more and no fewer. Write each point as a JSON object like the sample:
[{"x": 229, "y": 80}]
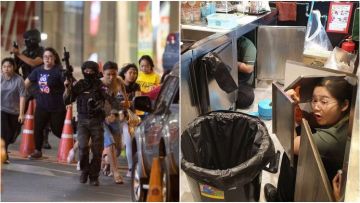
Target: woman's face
[
  {"x": 121, "y": 116},
  {"x": 49, "y": 59},
  {"x": 110, "y": 75},
  {"x": 145, "y": 66},
  {"x": 7, "y": 68},
  {"x": 131, "y": 75},
  {"x": 327, "y": 111},
  {"x": 111, "y": 118}
]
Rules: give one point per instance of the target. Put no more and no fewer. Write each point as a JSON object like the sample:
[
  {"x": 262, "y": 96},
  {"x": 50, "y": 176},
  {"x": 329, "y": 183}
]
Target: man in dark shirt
[{"x": 246, "y": 60}]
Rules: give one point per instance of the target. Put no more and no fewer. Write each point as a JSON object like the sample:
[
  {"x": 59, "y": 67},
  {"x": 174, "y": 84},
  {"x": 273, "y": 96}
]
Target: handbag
[{"x": 133, "y": 119}]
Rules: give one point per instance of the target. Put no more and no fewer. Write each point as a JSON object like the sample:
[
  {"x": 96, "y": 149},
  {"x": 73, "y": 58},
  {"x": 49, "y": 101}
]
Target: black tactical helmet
[
  {"x": 33, "y": 35},
  {"x": 91, "y": 65}
]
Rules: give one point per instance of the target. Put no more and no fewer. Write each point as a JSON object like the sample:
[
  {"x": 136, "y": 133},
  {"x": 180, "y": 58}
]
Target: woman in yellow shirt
[{"x": 147, "y": 78}]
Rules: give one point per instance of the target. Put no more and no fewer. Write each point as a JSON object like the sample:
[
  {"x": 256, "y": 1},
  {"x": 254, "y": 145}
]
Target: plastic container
[
  {"x": 222, "y": 20},
  {"x": 223, "y": 154},
  {"x": 265, "y": 109}
]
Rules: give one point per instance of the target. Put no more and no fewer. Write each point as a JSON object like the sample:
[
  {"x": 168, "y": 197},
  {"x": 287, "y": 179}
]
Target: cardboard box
[{"x": 315, "y": 58}]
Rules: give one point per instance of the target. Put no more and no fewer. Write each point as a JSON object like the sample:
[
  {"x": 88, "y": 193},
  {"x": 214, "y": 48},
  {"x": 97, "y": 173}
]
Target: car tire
[
  {"x": 138, "y": 193},
  {"x": 170, "y": 184}
]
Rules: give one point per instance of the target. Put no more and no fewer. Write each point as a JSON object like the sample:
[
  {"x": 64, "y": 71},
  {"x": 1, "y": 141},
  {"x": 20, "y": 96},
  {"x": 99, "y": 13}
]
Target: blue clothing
[
  {"x": 50, "y": 85},
  {"x": 110, "y": 130}
]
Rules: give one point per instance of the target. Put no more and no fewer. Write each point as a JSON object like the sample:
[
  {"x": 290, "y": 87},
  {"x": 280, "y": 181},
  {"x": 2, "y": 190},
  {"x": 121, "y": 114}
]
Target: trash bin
[{"x": 223, "y": 154}]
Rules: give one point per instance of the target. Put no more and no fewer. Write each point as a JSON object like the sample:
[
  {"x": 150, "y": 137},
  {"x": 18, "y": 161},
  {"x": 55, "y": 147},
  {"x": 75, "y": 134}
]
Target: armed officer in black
[
  {"x": 31, "y": 57},
  {"x": 90, "y": 95}
]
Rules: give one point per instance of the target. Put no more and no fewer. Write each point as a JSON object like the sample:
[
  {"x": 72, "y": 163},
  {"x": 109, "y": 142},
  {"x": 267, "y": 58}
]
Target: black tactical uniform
[
  {"x": 90, "y": 95},
  {"x": 33, "y": 50}
]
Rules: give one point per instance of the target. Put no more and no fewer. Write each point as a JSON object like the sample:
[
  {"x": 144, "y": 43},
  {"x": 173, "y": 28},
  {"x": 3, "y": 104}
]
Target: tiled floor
[{"x": 262, "y": 91}]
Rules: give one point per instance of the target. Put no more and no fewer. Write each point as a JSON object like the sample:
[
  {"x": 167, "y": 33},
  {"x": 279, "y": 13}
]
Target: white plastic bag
[
  {"x": 316, "y": 37},
  {"x": 341, "y": 60}
]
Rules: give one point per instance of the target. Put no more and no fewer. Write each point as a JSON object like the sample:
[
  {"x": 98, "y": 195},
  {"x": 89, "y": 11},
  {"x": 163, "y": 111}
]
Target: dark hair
[
  {"x": 147, "y": 58},
  {"x": 110, "y": 65},
  {"x": 125, "y": 69},
  {"x": 11, "y": 61},
  {"x": 115, "y": 113},
  {"x": 53, "y": 51},
  {"x": 338, "y": 87}
]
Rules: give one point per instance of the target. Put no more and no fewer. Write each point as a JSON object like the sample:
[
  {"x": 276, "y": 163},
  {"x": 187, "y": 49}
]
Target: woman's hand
[
  {"x": 125, "y": 104},
  {"x": 336, "y": 182},
  {"x": 293, "y": 95}
]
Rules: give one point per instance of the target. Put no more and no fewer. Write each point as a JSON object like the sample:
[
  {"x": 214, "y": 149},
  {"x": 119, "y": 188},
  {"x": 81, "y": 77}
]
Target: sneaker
[
  {"x": 128, "y": 174},
  {"x": 270, "y": 193},
  {"x": 47, "y": 146},
  {"x": 83, "y": 177},
  {"x": 71, "y": 156},
  {"x": 78, "y": 166},
  {"x": 35, "y": 155},
  {"x": 94, "y": 182}
]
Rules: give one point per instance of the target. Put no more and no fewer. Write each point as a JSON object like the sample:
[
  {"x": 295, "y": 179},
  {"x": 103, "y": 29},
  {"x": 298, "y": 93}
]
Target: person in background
[
  {"x": 246, "y": 60},
  {"x": 27, "y": 61},
  {"x": 31, "y": 57},
  {"x": 112, "y": 131},
  {"x": 147, "y": 78},
  {"x": 127, "y": 138},
  {"x": 114, "y": 86},
  {"x": 129, "y": 73},
  {"x": 155, "y": 92},
  {"x": 331, "y": 105},
  {"x": 12, "y": 103},
  {"x": 50, "y": 106}
]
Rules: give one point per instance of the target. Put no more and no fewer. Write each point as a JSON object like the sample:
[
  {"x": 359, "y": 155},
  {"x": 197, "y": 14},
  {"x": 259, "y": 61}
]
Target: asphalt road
[{"x": 47, "y": 180}]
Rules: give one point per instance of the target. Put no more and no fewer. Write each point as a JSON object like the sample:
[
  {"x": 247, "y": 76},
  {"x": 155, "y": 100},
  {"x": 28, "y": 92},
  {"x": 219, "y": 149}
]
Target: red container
[{"x": 348, "y": 46}]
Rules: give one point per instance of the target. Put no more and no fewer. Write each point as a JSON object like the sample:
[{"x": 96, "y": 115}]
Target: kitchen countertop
[{"x": 242, "y": 20}]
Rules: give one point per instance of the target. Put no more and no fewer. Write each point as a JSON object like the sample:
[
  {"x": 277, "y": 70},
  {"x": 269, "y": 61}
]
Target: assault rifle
[{"x": 68, "y": 68}]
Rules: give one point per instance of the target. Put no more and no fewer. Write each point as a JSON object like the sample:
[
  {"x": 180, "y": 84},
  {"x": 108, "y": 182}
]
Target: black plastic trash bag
[
  {"x": 220, "y": 71},
  {"x": 227, "y": 151}
]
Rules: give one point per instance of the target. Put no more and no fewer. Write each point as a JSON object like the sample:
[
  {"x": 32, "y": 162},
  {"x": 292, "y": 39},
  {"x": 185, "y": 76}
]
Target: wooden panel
[{"x": 312, "y": 183}]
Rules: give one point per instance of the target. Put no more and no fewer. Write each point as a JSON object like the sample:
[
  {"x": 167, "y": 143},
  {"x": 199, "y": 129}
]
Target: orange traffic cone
[
  {"x": 27, "y": 145},
  {"x": 67, "y": 141},
  {"x": 155, "y": 185}
]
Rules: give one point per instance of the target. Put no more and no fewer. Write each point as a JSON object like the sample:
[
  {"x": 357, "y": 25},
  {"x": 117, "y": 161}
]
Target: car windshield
[{"x": 169, "y": 89}]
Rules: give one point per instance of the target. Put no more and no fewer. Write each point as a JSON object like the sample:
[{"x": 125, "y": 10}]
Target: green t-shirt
[
  {"x": 331, "y": 143},
  {"x": 246, "y": 54}
]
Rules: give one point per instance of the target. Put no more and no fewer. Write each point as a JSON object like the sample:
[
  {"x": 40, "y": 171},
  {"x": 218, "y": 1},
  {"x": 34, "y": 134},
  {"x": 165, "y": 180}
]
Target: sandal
[
  {"x": 106, "y": 170},
  {"x": 119, "y": 180}
]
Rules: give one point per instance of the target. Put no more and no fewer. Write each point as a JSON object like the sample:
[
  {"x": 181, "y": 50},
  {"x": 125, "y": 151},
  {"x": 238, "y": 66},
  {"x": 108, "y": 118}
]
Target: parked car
[{"x": 158, "y": 136}]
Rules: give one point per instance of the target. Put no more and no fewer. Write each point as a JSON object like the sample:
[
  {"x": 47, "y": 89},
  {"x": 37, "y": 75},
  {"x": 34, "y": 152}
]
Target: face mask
[
  {"x": 30, "y": 43},
  {"x": 89, "y": 77}
]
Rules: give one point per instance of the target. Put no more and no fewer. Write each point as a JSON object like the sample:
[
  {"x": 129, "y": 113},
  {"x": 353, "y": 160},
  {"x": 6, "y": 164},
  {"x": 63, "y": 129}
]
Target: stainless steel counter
[{"x": 223, "y": 42}]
